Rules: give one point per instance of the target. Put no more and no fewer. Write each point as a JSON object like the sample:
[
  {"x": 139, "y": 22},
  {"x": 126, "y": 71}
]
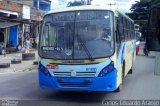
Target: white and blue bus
[{"x": 86, "y": 48}]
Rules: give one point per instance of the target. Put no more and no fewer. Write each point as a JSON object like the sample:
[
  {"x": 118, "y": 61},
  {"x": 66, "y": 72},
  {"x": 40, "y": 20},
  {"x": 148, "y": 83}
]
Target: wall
[
  {"x": 10, "y": 6},
  {"x": 26, "y": 2}
]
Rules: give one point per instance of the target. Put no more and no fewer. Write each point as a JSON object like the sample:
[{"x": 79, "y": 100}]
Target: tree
[
  {"x": 79, "y": 3},
  {"x": 141, "y": 12},
  {"x": 155, "y": 3}
]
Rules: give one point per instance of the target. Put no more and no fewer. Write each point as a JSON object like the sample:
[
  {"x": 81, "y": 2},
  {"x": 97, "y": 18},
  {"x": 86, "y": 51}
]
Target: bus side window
[
  {"x": 118, "y": 39},
  {"x": 120, "y": 32}
]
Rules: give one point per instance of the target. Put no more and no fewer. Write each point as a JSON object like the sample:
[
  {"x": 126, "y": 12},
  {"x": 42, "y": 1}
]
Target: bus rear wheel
[{"x": 131, "y": 70}]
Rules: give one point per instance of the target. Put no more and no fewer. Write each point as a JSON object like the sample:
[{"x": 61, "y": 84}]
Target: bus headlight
[
  {"x": 106, "y": 70},
  {"x": 44, "y": 70}
]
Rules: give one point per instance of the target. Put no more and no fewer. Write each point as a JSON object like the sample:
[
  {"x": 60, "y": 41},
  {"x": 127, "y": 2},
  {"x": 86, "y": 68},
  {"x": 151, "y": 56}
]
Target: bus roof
[
  {"x": 126, "y": 16},
  {"x": 90, "y": 7},
  {"x": 85, "y": 7}
]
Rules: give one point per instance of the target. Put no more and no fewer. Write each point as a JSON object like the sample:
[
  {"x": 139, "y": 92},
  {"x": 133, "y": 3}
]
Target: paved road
[{"x": 142, "y": 84}]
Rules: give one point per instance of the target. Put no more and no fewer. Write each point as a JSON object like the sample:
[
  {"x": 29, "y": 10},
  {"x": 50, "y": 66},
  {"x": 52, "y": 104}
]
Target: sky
[{"x": 122, "y": 5}]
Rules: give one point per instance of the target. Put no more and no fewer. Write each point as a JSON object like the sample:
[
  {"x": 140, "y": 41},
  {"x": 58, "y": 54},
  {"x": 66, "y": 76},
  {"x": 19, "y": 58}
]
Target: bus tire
[
  {"x": 4, "y": 65},
  {"x": 131, "y": 70},
  {"x": 123, "y": 70},
  {"x": 28, "y": 56},
  {"x": 119, "y": 88}
]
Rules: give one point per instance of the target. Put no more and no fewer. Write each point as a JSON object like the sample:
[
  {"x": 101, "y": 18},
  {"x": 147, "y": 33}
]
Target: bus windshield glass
[{"x": 77, "y": 35}]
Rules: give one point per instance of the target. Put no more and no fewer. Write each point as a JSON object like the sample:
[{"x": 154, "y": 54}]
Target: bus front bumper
[{"x": 105, "y": 83}]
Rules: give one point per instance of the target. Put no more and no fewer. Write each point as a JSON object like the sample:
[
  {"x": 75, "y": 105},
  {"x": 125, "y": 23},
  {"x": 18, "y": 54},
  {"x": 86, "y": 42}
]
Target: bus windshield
[{"x": 77, "y": 35}]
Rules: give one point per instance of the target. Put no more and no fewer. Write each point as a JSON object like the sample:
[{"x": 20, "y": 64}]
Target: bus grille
[
  {"x": 78, "y": 74},
  {"x": 75, "y": 84}
]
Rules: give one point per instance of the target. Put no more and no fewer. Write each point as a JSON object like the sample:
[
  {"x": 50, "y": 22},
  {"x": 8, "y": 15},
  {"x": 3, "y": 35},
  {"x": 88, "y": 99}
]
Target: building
[
  {"x": 44, "y": 5},
  {"x": 9, "y": 13},
  {"x": 18, "y": 19}
]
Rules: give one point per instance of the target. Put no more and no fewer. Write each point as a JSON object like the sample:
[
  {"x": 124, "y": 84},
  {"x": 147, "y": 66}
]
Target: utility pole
[{"x": 38, "y": 24}]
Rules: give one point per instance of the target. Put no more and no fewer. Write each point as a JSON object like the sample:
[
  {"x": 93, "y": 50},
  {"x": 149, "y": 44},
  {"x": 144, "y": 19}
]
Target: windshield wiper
[{"x": 85, "y": 48}]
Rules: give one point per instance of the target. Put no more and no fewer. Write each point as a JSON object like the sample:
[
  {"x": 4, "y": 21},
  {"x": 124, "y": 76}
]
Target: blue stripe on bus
[
  {"x": 134, "y": 45},
  {"x": 121, "y": 55}
]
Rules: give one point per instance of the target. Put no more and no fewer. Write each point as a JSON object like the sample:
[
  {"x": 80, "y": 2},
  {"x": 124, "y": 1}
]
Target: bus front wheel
[{"x": 119, "y": 88}]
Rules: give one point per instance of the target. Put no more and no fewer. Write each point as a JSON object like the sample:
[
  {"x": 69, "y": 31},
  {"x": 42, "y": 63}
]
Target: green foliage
[
  {"x": 75, "y": 3},
  {"x": 155, "y": 3},
  {"x": 79, "y": 3}
]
